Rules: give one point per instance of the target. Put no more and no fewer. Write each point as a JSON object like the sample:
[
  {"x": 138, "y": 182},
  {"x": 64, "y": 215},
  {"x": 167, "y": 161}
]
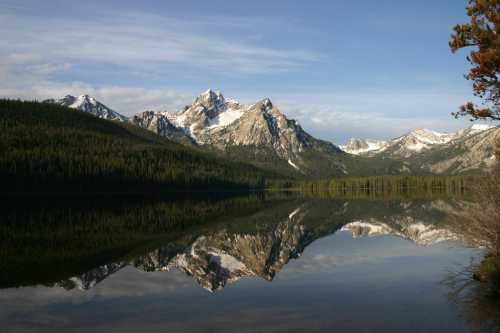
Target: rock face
[
  {"x": 224, "y": 257},
  {"x": 88, "y": 104},
  {"x": 474, "y": 151},
  {"x": 158, "y": 122},
  {"x": 214, "y": 120}
]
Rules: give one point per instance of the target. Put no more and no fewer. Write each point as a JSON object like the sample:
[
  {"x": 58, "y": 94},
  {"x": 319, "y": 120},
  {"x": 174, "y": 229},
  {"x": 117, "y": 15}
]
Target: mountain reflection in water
[
  {"x": 236, "y": 241},
  {"x": 260, "y": 244}
]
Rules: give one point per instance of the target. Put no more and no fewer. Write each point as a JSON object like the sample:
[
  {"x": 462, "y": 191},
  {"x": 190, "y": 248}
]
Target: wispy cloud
[
  {"x": 141, "y": 40},
  {"x": 43, "y": 58}
]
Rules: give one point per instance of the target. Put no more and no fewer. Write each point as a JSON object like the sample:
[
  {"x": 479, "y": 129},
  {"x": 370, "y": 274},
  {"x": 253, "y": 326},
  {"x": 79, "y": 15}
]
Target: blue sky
[{"x": 342, "y": 68}]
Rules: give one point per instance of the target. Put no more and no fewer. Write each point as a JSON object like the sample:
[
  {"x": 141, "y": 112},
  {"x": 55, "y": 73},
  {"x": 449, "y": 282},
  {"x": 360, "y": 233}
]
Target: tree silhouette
[{"x": 482, "y": 35}]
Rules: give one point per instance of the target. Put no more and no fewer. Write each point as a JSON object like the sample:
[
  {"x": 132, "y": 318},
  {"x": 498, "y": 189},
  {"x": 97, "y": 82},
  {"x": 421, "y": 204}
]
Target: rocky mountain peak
[
  {"x": 429, "y": 136},
  {"x": 69, "y": 98},
  {"x": 210, "y": 99},
  {"x": 266, "y": 103},
  {"x": 159, "y": 123},
  {"x": 362, "y": 146},
  {"x": 212, "y": 119},
  {"x": 88, "y": 104}
]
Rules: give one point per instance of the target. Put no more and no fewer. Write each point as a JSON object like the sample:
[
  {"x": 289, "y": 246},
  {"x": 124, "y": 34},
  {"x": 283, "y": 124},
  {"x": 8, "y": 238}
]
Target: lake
[{"x": 258, "y": 263}]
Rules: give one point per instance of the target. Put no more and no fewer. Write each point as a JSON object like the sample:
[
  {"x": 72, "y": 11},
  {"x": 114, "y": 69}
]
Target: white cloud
[
  {"x": 126, "y": 100},
  {"x": 25, "y": 77},
  {"x": 128, "y": 282}
]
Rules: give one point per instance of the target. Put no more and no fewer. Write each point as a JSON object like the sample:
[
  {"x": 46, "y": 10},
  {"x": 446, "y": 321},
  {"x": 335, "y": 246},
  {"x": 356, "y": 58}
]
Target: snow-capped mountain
[
  {"x": 418, "y": 232},
  {"x": 468, "y": 150},
  {"x": 214, "y": 120},
  {"x": 417, "y": 141},
  {"x": 409, "y": 144},
  {"x": 473, "y": 150},
  {"x": 88, "y": 104},
  {"x": 472, "y": 130},
  {"x": 362, "y": 146}
]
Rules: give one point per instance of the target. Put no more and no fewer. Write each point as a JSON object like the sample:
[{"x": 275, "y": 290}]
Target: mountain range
[
  {"x": 411, "y": 143},
  {"x": 469, "y": 149},
  {"x": 262, "y": 135}
]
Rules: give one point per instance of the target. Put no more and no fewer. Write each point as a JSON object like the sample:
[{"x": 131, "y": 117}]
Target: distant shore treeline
[{"x": 386, "y": 186}]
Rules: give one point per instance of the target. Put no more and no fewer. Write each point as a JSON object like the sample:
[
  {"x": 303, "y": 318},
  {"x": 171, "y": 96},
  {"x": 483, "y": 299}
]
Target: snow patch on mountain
[
  {"x": 226, "y": 261},
  {"x": 224, "y": 118},
  {"x": 295, "y": 212},
  {"x": 293, "y": 165}
]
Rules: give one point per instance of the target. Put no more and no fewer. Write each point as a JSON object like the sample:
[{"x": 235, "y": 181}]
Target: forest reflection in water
[{"x": 235, "y": 241}]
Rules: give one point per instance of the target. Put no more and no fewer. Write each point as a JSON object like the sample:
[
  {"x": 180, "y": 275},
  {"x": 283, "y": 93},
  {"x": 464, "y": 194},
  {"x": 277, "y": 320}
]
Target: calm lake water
[{"x": 245, "y": 264}]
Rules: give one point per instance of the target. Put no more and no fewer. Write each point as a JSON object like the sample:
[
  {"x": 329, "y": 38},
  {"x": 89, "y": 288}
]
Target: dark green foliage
[
  {"x": 488, "y": 273},
  {"x": 327, "y": 164},
  {"x": 261, "y": 157},
  {"x": 49, "y": 148}
]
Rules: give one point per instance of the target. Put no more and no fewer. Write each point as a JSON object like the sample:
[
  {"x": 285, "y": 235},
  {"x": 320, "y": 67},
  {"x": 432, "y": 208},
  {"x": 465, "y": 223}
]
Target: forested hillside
[{"x": 50, "y": 148}]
